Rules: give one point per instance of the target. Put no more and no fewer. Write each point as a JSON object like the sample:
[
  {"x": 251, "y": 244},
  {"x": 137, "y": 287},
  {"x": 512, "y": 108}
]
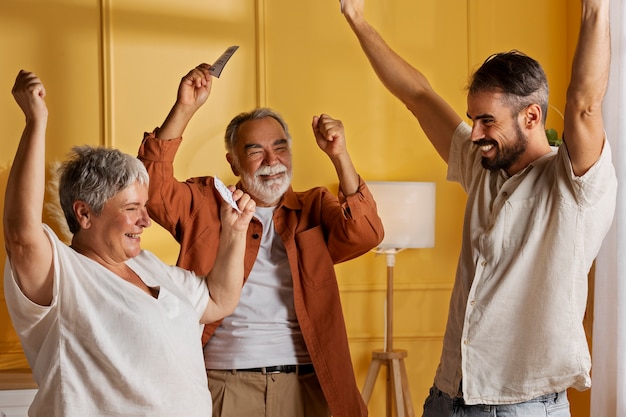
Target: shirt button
[
  {"x": 504, "y": 193},
  {"x": 466, "y": 342},
  {"x": 255, "y": 236},
  {"x": 473, "y": 303},
  {"x": 483, "y": 263}
]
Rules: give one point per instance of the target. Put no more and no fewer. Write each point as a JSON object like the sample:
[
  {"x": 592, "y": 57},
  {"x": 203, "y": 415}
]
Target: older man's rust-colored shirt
[{"x": 318, "y": 230}]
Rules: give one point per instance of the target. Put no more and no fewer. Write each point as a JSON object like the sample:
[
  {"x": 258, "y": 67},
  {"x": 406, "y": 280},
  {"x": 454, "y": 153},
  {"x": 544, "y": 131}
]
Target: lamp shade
[{"x": 407, "y": 210}]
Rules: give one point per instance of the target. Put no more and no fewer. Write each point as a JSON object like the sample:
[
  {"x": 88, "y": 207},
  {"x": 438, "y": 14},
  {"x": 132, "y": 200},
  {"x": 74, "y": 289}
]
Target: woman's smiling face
[{"x": 115, "y": 233}]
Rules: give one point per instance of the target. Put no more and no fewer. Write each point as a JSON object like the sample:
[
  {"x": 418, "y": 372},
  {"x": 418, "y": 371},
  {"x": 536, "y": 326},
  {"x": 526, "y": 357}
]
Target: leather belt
[{"x": 285, "y": 369}]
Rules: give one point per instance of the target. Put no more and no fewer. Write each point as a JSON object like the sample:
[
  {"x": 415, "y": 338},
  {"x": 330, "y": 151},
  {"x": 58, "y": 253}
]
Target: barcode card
[
  {"x": 220, "y": 63},
  {"x": 225, "y": 193}
]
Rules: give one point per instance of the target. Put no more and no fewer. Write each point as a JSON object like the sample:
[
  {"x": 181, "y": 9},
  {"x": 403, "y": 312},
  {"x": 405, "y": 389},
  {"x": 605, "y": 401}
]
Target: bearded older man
[{"x": 284, "y": 351}]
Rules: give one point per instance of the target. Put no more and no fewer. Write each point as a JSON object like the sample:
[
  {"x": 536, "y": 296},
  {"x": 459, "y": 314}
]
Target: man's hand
[
  {"x": 330, "y": 135},
  {"x": 193, "y": 92},
  {"x": 352, "y": 8},
  {"x": 195, "y": 87}
]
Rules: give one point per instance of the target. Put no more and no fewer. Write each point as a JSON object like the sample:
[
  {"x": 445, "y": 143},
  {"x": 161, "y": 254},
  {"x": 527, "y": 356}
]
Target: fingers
[
  {"x": 237, "y": 219},
  {"x": 352, "y": 9},
  {"x": 195, "y": 87},
  {"x": 200, "y": 76},
  {"x": 244, "y": 201},
  {"x": 29, "y": 94},
  {"x": 315, "y": 126},
  {"x": 28, "y": 82},
  {"x": 329, "y": 128}
]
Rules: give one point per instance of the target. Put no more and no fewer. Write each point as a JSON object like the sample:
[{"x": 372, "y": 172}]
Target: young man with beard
[
  {"x": 534, "y": 221},
  {"x": 284, "y": 351}
]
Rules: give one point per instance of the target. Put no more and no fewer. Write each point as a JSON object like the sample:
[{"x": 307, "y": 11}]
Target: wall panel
[
  {"x": 112, "y": 68},
  {"x": 58, "y": 41},
  {"x": 153, "y": 44}
]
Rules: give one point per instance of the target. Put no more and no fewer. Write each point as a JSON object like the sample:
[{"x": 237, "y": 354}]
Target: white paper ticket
[
  {"x": 220, "y": 63},
  {"x": 225, "y": 193}
]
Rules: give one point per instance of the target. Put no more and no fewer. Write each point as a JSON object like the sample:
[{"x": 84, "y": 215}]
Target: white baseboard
[{"x": 15, "y": 403}]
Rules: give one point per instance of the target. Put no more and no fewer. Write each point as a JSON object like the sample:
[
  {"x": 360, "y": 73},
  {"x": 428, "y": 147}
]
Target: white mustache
[{"x": 271, "y": 170}]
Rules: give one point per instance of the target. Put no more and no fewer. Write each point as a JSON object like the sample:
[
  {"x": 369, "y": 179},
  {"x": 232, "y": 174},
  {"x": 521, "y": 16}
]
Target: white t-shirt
[
  {"x": 106, "y": 348},
  {"x": 263, "y": 330}
]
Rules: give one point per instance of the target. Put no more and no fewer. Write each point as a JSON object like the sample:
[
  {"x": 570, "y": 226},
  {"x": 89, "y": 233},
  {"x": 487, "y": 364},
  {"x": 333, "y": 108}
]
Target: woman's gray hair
[
  {"x": 230, "y": 138},
  {"x": 94, "y": 175}
]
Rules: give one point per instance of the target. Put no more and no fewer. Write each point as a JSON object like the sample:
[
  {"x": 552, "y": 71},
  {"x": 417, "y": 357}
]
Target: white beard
[{"x": 267, "y": 192}]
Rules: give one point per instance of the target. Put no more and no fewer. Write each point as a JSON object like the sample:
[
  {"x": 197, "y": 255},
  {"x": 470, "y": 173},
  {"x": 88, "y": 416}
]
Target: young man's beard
[{"x": 506, "y": 156}]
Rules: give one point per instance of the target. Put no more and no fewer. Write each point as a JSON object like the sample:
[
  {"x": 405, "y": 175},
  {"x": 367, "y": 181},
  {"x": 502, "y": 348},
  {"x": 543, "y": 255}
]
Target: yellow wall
[
  {"x": 111, "y": 69},
  {"x": 59, "y": 40}
]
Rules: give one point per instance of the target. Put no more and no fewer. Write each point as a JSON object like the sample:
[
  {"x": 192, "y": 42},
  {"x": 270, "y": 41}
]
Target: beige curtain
[{"x": 608, "y": 395}]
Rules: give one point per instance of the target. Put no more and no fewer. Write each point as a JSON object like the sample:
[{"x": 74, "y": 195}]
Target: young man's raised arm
[
  {"x": 584, "y": 127},
  {"x": 436, "y": 117}
]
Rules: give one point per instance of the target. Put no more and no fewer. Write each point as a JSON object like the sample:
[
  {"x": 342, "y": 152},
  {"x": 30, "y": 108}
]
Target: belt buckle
[{"x": 264, "y": 370}]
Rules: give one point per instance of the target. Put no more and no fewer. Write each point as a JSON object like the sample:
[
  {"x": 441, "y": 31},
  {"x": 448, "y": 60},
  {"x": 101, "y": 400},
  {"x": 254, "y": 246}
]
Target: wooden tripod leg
[
  {"x": 372, "y": 373},
  {"x": 406, "y": 393},
  {"x": 396, "y": 381}
]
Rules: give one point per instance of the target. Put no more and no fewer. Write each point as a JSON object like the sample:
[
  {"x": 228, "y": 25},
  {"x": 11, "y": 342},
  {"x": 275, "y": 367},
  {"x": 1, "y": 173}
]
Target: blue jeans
[{"x": 439, "y": 404}]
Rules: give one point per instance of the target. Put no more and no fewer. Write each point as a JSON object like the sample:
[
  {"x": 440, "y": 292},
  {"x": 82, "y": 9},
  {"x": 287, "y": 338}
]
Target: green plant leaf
[{"x": 553, "y": 137}]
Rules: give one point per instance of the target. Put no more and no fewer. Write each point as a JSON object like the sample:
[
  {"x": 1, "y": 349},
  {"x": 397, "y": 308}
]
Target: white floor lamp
[{"x": 407, "y": 210}]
